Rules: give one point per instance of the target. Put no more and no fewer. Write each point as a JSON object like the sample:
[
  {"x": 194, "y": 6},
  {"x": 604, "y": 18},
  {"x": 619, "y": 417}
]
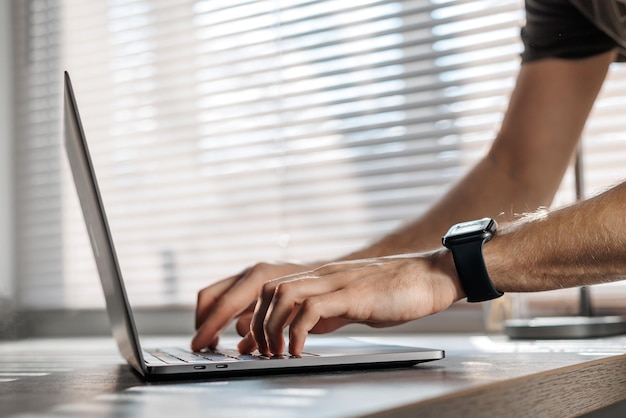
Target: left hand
[{"x": 379, "y": 292}]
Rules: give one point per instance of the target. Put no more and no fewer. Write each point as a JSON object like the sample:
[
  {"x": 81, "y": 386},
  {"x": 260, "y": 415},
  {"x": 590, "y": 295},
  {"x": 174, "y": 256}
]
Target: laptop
[{"x": 320, "y": 353}]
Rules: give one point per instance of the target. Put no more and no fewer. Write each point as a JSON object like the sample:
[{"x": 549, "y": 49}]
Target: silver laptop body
[{"x": 321, "y": 353}]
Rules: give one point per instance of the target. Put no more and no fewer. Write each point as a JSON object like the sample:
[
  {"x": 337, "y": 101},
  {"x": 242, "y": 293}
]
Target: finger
[
  {"x": 247, "y": 344},
  {"x": 329, "y": 305},
  {"x": 221, "y": 314},
  {"x": 285, "y": 303},
  {"x": 257, "y": 326},
  {"x": 213, "y": 344},
  {"x": 243, "y": 323},
  {"x": 222, "y": 311},
  {"x": 224, "y": 302},
  {"x": 260, "y": 310},
  {"x": 243, "y": 328},
  {"x": 250, "y": 279},
  {"x": 278, "y": 313},
  {"x": 208, "y": 296}
]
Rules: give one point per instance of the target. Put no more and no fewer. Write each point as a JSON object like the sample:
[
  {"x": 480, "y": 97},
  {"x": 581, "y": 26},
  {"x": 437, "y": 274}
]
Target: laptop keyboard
[{"x": 175, "y": 355}]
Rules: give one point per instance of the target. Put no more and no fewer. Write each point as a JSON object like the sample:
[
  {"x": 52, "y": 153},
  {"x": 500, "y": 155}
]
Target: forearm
[
  {"x": 526, "y": 162},
  {"x": 487, "y": 190},
  {"x": 578, "y": 245}
]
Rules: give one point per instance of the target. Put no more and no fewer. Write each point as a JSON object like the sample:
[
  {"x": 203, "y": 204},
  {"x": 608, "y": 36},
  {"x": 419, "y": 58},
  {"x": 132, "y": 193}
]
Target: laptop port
[
  {"x": 199, "y": 367},
  {"x": 221, "y": 366}
]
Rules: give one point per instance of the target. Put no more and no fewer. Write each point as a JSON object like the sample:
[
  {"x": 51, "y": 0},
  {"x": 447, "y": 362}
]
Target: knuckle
[
  {"x": 259, "y": 268},
  {"x": 296, "y": 330},
  {"x": 205, "y": 298},
  {"x": 311, "y": 306},
  {"x": 203, "y": 293},
  {"x": 283, "y": 290},
  {"x": 325, "y": 269},
  {"x": 329, "y": 268},
  {"x": 267, "y": 290}
]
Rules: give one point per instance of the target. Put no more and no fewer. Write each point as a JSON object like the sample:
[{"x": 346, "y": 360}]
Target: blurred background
[{"x": 226, "y": 132}]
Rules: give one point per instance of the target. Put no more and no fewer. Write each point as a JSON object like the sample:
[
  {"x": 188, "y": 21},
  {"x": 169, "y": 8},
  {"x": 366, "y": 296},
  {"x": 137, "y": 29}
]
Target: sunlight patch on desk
[
  {"x": 22, "y": 374},
  {"x": 25, "y": 368},
  {"x": 312, "y": 392},
  {"x": 501, "y": 344},
  {"x": 598, "y": 354},
  {"x": 278, "y": 401}
]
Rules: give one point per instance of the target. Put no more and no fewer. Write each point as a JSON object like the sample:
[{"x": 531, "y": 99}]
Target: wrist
[
  {"x": 443, "y": 263},
  {"x": 501, "y": 262},
  {"x": 465, "y": 241}
]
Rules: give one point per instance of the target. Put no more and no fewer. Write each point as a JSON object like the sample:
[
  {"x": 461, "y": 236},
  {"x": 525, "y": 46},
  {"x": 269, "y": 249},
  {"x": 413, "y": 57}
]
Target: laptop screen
[{"x": 118, "y": 308}]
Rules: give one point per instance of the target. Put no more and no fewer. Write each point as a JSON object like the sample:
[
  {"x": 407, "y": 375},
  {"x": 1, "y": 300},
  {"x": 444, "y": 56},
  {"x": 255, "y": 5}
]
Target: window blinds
[{"x": 229, "y": 132}]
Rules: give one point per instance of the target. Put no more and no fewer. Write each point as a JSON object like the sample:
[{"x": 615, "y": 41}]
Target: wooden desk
[{"x": 481, "y": 376}]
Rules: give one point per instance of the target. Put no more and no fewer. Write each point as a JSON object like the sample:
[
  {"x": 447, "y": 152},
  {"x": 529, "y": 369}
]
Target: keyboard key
[{"x": 166, "y": 358}]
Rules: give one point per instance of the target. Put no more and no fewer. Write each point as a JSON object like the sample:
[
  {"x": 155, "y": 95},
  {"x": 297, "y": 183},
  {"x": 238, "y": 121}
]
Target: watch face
[
  {"x": 472, "y": 230},
  {"x": 470, "y": 227}
]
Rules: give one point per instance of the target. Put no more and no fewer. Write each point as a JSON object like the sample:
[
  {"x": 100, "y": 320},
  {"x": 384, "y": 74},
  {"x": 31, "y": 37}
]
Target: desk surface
[{"x": 481, "y": 376}]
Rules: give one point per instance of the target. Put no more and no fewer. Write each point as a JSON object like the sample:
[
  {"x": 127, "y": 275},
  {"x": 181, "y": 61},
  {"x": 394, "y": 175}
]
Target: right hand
[{"x": 234, "y": 297}]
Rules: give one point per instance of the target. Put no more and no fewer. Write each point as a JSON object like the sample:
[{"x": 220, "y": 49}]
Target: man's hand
[
  {"x": 378, "y": 292},
  {"x": 232, "y": 298}
]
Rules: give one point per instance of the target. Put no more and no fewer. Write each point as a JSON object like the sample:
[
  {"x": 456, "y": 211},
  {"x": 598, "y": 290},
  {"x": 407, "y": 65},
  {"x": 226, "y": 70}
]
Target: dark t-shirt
[{"x": 572, "y": 29}]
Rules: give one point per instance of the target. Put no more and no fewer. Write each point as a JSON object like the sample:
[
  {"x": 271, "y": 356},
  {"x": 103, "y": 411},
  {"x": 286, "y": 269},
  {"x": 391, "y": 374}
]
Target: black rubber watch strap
[{"x": 470, "y": 267}]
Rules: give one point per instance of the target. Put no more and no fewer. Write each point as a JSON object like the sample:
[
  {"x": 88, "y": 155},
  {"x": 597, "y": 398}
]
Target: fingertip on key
[{"x": 247, "y": 344}]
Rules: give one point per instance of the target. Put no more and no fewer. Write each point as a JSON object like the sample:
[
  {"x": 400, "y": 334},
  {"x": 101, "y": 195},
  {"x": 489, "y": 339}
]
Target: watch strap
[{"x": 470, "y": 266}]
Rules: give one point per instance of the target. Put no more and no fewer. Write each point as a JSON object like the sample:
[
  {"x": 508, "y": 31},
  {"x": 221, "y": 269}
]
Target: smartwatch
[{"x": 465, "y": 240}]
